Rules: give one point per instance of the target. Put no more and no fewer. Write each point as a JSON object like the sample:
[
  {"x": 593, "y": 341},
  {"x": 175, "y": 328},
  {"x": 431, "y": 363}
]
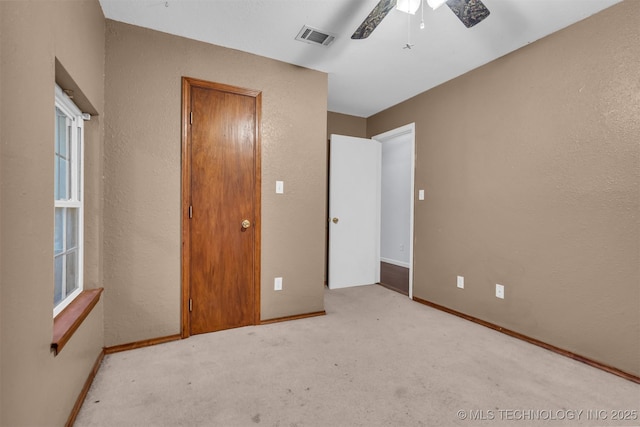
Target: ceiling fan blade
[
  {"x": 470, "y": 12},
  {"x": 375, "y": 17}
]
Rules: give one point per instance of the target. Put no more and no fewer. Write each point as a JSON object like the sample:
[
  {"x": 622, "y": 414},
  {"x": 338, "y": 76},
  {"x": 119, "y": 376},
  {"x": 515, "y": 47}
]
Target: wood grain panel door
[{"x": 221, "y": 198}]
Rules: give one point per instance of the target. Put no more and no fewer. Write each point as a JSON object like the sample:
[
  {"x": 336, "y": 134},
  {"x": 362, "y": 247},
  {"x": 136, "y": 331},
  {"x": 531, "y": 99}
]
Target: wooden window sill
[{"x": 69, "y": 319}]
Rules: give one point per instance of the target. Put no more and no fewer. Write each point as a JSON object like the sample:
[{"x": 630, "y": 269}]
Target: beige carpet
[{"x": 375, "y": 359}]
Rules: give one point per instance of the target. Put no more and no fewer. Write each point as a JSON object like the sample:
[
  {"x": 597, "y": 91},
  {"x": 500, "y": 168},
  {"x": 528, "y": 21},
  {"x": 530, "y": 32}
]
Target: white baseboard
[{"x": 395, "y": 262}]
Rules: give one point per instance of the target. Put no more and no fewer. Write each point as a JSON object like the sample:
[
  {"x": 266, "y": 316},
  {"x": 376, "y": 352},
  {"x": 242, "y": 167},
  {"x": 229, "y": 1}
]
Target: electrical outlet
[
  {"x": 500, "y": 291},
  {"x": 401, "y": 248},
  {"x": 277, "y": 284},
  {"x": 461, "y": 282}
]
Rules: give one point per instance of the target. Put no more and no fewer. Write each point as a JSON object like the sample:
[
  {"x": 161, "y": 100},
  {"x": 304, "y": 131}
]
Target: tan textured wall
[
  {"x": 143, "y": 163},
  {"x": 344, "y": 124},
  {"x": 531, "y": 166},
  {"x": 1, "y": 139},
  {"x": 36, "y": 387}
]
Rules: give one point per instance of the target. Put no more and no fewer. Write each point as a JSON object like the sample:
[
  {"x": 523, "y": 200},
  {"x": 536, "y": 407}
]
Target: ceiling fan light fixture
[
  {"x": 434, "y": 4},
  {"x": 408, "y": 6}
]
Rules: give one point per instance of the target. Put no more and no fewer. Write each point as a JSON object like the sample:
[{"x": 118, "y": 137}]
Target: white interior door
[{"x": 354, "y": 211}]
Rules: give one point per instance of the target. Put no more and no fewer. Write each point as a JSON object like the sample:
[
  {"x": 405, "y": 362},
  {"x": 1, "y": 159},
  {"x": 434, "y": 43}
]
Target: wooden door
[{"x": 221, "y": 206}]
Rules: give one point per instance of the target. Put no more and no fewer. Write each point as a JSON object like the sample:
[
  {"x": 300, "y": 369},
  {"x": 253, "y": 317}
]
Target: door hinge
[
  {"x": 190, "y": 211},
  {"x": 190, "y": 304},
  {"x": 191, "y": 117}
]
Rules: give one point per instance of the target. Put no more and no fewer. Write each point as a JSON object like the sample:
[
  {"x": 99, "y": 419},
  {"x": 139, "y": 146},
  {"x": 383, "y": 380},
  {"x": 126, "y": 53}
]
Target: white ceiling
[{"x": 365, "y": 76}]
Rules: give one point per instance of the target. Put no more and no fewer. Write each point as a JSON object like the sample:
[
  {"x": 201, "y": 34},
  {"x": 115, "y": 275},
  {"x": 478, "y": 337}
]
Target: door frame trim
[{"x": 187, "y": 84}]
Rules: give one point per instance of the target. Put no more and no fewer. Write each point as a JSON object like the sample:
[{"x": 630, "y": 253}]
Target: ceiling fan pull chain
[{"x": 408, "y": 45}]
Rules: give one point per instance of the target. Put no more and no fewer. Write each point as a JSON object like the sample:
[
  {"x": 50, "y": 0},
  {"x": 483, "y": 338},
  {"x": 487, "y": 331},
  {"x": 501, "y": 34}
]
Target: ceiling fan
[{"x": 470, "y": 12}]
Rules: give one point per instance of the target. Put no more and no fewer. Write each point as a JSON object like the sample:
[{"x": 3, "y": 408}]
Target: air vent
[{"x": 313, "y": 36}]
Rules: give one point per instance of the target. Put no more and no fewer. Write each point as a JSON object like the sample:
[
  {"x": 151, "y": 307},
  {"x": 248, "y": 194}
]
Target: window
[{"x": 68, "y": 197}]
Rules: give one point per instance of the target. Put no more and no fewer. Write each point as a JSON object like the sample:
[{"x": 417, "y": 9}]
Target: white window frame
[{"x": 75, "y": 191}]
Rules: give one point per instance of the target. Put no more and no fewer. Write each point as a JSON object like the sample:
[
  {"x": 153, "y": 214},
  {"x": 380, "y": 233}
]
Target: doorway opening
[
  {"x": 397, "y": 208},
  {"x": 356, "y": 208}
]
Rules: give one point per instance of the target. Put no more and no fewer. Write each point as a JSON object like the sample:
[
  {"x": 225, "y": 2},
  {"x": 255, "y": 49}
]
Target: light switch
[
  {"x": 420, "y": 194},
  {"x": 279, "y": 187}
]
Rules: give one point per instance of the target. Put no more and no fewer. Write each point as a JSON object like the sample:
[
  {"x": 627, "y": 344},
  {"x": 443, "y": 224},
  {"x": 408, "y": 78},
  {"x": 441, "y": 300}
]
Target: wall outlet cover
[
  {"x": 460, "y": 282},
  {"x": 500, "y": 291}
]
